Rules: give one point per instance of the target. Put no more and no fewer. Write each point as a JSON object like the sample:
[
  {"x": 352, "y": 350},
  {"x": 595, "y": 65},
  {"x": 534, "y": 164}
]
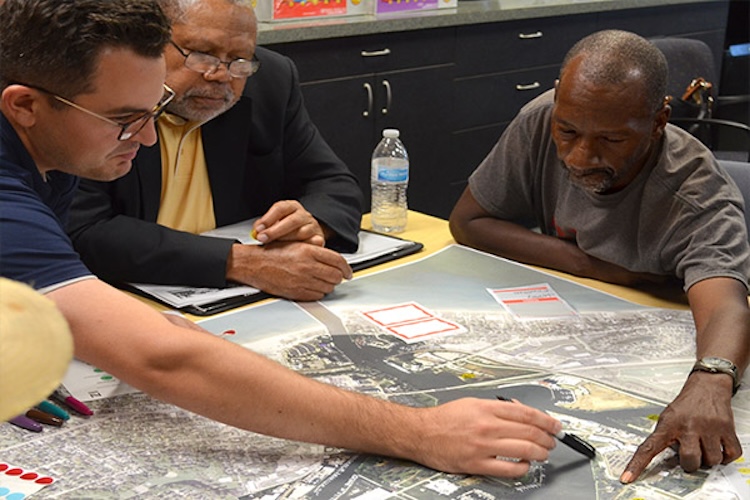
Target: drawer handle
[
  {"x": 528, "y": 86},
  {"x": 388, "y": 96},
  {"x": 375, "y": 53},
  {"x": 530, "y": 36},
  {"x": 368, "y": 89}
]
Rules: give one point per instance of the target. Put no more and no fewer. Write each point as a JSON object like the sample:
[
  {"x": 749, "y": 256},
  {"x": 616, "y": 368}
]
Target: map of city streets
[{"x": 606, "y": 373}]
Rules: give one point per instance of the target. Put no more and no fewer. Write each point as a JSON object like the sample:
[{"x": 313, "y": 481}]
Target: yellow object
[
  {"x": 186, "y": 200},
  {"x": 35, "y": 347}
]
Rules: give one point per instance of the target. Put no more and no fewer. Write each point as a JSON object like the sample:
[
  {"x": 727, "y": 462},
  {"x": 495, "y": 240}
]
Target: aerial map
[{"x": 419, "y": 334}]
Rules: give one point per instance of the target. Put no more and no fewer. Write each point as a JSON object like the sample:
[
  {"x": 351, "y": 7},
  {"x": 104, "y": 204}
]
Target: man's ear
[
  {"x": 20, "y": 104},
  {"x": 662, "y": 118}
]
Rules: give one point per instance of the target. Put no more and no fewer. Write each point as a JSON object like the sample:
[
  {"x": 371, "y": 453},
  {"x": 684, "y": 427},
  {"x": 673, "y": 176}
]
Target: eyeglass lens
[
  {"x": 206, "y": 63},
  {"x": 132, "y": 128}
]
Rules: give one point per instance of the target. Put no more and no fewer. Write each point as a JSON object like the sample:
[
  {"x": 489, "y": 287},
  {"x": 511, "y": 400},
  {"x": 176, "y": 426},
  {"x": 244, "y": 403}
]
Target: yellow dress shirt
[{"x": 186, "y": 200}]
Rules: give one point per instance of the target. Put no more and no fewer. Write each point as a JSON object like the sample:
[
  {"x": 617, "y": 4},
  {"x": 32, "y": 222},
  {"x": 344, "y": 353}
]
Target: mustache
[
  {"x": 223, "y": 92},
  {"x": 584, "y": 172}
]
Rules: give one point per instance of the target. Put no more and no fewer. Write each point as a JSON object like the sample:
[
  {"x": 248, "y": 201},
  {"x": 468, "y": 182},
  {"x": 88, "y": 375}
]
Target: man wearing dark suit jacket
[{"x": 232, "y": 147}]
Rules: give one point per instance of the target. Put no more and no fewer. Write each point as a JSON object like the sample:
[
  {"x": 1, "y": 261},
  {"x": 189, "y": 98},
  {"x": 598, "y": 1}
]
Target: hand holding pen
[{"x": 570, "y": 440}]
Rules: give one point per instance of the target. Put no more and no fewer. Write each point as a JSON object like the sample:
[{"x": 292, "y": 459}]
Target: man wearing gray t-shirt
[{"x": 621, "y": 196}]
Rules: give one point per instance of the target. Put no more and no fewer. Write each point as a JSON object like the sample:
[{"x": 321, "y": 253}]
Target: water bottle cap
[{"x": 391, "y": 133}]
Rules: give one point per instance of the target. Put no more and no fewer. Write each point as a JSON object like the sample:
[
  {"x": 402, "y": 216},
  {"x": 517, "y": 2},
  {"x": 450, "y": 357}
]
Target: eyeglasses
[
  {"x": 128, "y": 128},
  {"x": 207, "y": 64}
]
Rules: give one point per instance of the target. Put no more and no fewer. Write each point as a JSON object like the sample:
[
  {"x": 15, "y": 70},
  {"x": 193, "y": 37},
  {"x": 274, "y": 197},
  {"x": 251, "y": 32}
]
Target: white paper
[{"x": 528, "y": 302}]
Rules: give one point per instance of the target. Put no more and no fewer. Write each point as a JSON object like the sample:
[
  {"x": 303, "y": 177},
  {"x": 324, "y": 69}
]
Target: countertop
[{"x": 467, "y": 12}]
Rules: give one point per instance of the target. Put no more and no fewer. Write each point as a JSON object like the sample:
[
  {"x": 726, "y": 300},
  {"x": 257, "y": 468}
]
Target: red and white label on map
[{"x": 412, "y": 322}]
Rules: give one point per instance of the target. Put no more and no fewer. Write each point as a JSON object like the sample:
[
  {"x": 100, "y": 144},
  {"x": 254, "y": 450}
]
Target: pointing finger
[{"x": 652, "y": 446}]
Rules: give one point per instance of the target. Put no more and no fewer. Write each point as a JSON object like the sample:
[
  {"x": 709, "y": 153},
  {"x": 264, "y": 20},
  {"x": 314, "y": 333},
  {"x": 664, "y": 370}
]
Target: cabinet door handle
[
  {"x": 388, "y": 96},
  {"x": 368, "y": 89},
  {"x": 375, "y": 53},
  {"x": 528, "y": 86},
  {"x": 529, "y": 36}
]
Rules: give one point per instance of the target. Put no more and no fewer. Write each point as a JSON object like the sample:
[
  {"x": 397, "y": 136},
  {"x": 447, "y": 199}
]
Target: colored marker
[
  {"x": 63, "y": 396},
  {"x": 44, "y": 418},
  {"x": 571, "y": 440},
  {"x": 25, "y": 422},
  {"x": 53, "y": 409}
]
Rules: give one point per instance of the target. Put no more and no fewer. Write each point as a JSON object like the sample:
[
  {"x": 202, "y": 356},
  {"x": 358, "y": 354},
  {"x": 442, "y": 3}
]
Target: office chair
[
  {"x": 693, "y": 86},
  {"x": 740, "y": 173}
]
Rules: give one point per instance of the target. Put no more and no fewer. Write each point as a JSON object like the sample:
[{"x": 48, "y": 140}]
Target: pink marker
[{"x": 63, "y": 396}]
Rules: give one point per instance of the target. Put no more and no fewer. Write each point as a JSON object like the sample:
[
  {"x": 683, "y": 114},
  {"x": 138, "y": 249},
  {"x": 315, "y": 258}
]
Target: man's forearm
[
  {"x": 518, "y": 243},
  {"x": 126, "y": 249},
  {"x": 219, "y": 379},
  {"x": 722, "y": 320}
]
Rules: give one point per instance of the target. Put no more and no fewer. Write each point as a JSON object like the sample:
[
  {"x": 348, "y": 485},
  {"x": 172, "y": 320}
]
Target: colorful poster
[
  {"x": 386, "y": 6},
  {"x": 293, "y": 9}
]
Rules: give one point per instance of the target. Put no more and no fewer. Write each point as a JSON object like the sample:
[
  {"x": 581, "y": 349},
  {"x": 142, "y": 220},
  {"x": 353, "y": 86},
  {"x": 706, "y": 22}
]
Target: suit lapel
[
  {"x": 226, "y": 156},
  {"x": 147, "y": 167}
]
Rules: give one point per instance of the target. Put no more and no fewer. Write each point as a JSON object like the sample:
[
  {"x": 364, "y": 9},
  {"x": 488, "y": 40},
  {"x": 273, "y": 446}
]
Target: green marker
[{"x": 53, "y": 409}]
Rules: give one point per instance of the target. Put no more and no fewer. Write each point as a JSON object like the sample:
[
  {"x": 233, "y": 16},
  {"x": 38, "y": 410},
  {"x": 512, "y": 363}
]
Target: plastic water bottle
[{"x": 388, "y": 180}]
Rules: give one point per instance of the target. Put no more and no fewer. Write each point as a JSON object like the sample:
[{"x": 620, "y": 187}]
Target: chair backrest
[
  {"x": 740, "y": 173},
  {"x": 690, "y": 60},
  {"x": 687, "y": 59}
]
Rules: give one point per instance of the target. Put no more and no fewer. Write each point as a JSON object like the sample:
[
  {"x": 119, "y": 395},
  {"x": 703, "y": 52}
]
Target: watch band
[{"x": 713, "y": 364}]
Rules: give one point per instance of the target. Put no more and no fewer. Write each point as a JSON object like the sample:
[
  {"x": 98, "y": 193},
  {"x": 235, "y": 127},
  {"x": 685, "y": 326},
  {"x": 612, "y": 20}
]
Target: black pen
[{"x": 571, "y": 440}]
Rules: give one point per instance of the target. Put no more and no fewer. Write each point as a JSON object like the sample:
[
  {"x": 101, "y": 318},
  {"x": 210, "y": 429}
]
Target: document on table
[
  {"x": 374, "y": 249},
  {"x": 529, "y": 302},
  {"x": 88, "y": 383}
]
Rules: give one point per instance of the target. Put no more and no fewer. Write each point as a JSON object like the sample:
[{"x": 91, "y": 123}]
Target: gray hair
[
  {"x": 176, "y": 10},
  {"x": 613, "y": 57}
]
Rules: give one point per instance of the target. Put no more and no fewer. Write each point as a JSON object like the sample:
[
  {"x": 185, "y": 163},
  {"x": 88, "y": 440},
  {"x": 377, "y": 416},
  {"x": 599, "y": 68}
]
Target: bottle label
[{"x": 393, "y": 174}]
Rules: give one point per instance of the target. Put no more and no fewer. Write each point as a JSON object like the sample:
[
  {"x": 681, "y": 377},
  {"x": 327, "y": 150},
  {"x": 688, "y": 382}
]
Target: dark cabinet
[{"x": 355, "y": 87}]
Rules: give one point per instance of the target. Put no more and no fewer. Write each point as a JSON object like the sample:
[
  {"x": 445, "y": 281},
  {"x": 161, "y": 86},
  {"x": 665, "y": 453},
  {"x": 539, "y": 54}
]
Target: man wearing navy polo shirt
[{"x": 82, "y": 82}]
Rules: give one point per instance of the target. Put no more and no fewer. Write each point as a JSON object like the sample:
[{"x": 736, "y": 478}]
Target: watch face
[{"x": 716, "y": 363}]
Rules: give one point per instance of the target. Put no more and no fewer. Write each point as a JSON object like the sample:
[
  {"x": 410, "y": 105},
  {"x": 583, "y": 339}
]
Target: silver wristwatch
[{"x": 713, "y": 364}]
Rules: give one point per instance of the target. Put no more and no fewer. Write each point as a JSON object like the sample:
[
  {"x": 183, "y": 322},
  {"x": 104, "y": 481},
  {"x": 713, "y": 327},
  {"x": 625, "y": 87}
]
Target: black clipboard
[
  {"x": 388, "y": 248},
  {"x": 408, "y": 247}
]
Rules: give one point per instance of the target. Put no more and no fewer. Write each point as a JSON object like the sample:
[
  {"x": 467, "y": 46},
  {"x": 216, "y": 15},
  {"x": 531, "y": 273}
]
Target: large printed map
[{"x": 606, "y": 372}]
